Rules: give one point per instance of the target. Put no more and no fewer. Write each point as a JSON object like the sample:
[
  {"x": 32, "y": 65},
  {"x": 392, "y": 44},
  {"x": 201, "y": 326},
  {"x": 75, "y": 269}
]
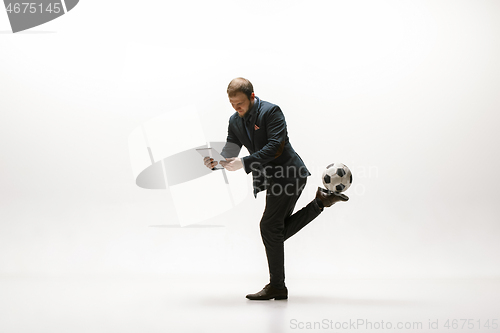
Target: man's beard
[
  {"x": 241, "y": 115},
  {"x": 244, "y": 113}
]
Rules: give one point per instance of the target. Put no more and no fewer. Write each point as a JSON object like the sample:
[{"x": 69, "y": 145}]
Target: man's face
[{"x": 241, "y": 103}]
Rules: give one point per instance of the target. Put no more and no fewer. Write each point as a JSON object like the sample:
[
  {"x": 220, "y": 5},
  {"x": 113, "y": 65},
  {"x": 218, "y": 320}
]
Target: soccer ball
[{"x": 337, "y": 177}]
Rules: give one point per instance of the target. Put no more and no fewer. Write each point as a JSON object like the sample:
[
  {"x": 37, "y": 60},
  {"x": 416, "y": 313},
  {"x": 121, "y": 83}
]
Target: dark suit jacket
[{"x": 272, "y": 158}]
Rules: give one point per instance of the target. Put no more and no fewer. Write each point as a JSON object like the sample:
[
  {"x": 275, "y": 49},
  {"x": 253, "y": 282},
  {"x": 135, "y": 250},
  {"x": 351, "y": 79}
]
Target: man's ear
[{"x": 252, "y": 96}]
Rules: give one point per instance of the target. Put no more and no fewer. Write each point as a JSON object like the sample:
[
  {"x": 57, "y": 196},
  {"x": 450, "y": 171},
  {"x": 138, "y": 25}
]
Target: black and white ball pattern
[{"x": 337, "y": 177}]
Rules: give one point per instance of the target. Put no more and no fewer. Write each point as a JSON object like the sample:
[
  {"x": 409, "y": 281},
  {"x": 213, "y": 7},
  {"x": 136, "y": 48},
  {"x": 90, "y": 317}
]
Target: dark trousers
[{"x": 278, "y": 224}]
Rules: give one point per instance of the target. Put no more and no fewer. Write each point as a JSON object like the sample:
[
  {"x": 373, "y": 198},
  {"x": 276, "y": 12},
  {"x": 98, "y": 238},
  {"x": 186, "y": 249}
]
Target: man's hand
[
  {"x": 209, "y": 162},
  {"x": 232, "y": 163}
]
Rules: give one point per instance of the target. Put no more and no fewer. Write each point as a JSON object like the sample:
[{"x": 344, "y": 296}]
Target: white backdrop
[{"x": 403, "y": 92}]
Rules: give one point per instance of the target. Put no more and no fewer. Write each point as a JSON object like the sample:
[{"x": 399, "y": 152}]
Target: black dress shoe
[
  {"x": 328, "y": 198},
  {"x": 268, "y": 293}
]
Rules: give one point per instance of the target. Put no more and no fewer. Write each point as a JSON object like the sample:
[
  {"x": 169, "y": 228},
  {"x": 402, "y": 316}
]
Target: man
[{"x": 276, "y": 167}]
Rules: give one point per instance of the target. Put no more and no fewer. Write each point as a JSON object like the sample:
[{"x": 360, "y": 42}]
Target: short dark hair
[{"x": 240, "y": 84}]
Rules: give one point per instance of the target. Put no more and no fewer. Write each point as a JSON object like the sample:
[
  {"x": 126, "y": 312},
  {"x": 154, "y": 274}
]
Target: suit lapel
[
  {"x": 254, "y": 120},
  {"x": 243, "y": 133}
]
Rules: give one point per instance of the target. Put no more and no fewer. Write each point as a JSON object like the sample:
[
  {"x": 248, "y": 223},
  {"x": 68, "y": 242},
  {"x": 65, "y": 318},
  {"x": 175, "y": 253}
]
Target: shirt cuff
[{"x": 244, "y": 165}]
